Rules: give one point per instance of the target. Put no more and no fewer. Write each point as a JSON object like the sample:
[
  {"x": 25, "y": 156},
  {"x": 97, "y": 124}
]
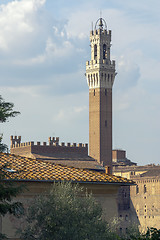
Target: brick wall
[
  {"x": 100, "y": 125},
  {"x": 51, "y": 151}
]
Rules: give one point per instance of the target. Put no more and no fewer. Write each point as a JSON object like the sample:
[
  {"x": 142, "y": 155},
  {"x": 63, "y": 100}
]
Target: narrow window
[
  {"x": 120, "y": 230},
  {"x": 137, "y": 189},
  {"x": 145, "y": 189},
  {"x": 95, "y": 52},
  {"x": 105, "y": 123},
  {"x": 126, "y": 217},
  {"x": 89, "y": 80},
  {"x": 104, "y": 51},
  {"x": 97, "y": 78},
  {"x": 105, "y": 92},
  {"x": 94, "y": 92}
]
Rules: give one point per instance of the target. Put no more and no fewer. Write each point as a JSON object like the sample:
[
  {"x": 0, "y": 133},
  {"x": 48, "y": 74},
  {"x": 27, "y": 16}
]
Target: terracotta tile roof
[
  {"x": 27, "y": 169},
  {"x": 85, "y": 163}
]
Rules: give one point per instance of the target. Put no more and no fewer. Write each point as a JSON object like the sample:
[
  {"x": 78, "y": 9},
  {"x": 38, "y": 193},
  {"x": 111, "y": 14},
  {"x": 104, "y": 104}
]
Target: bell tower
[{"x": 100, "y": 74}]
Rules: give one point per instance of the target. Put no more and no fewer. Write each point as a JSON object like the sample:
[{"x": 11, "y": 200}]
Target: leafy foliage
[
  {"x": 6, "y": 111},
  {"x": 7, "y": 192},
  {"x": 3, "y": 147},
  {"x": 64, "y": 214},
  {"x": 152, "y": 234},
  {"x": 134, "y": 234}
]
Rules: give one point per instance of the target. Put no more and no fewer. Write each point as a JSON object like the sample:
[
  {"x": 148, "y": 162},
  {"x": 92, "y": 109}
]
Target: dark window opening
[
  {"x": 94, "y": 92},
  {"x": 145, "y": 189},
  {"x": 104, "y": 51},
  {"x": 105, "y": 123},
  {"x": 105, "y": 92},
  {"x": 137, "y": 189},
  {"x": 95, "y": 52}
]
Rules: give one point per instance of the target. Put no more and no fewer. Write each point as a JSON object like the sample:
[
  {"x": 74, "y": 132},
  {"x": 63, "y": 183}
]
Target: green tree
[
  {"x": 6, "y": 111},
  {"x": 151, "y": 234},
  {"x": 135, "y": 234},
  {"x": 65, "y": 213},
  {"x": 7, "y": 189}
]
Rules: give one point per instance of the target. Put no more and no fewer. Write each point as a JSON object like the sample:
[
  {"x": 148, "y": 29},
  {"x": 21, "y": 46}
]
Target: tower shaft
[{"x": 100, "y": 73}]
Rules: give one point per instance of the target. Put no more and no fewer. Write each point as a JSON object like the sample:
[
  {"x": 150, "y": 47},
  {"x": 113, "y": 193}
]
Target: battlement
[
  {"x": 99, "y": 61},
  {"x": 100, "y": 32},
  {"x": 16, "y": 143},
  {"x": 51, "y": 149}
]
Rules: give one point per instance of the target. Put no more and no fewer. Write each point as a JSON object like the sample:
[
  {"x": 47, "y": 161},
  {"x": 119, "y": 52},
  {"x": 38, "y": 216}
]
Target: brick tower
[{"x": 100, "y": 74}]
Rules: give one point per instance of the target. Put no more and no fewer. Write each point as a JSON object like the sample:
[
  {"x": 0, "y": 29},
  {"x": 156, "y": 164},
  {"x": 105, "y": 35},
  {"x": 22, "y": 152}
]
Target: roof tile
[{"x": 27, "y": 169}]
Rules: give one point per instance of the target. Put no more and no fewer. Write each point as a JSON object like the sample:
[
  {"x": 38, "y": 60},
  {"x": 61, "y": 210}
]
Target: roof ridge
[{"x": 29, "y": 169}]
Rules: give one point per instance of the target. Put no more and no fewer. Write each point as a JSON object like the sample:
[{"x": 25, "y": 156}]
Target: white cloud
[
  {"x": 42, "y": 65},
  {"x": 128, "y": 73},
  {"x": 17, "y": 22}
]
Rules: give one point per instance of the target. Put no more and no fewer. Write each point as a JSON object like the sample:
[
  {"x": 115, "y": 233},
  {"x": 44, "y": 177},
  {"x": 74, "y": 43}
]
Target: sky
[{"x": 44, "y": 45}]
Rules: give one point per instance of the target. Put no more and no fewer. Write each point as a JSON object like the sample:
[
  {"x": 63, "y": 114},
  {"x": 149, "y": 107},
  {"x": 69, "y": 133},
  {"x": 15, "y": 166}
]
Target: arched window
[
  {"x": 95, "y": 52},
  {"x": 94, "y": 79},
  {"x": 89, "y": 80},
  {"x": 104, "y": 51},
  {"x": 97, "y": 78}
]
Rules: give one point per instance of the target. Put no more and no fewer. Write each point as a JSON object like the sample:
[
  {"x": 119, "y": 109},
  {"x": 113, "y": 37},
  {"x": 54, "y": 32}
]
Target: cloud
[
  {"x": 128, "y": 74},
  {"x": 18, "y": 22},
  {"x": 44, "y": 116},
  {"x": 36, "y": 46},
  {"x": 43, "y": 49}
]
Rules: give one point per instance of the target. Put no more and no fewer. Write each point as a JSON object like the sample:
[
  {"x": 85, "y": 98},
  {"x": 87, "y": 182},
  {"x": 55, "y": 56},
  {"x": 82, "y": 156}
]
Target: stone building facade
[
  {"x": 144, "y": 197},
  {"x": 38, "y": 176}
]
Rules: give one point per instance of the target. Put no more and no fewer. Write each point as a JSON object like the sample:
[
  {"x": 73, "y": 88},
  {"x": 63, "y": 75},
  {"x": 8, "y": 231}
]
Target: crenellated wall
[{"x": 52, "y": 149}]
